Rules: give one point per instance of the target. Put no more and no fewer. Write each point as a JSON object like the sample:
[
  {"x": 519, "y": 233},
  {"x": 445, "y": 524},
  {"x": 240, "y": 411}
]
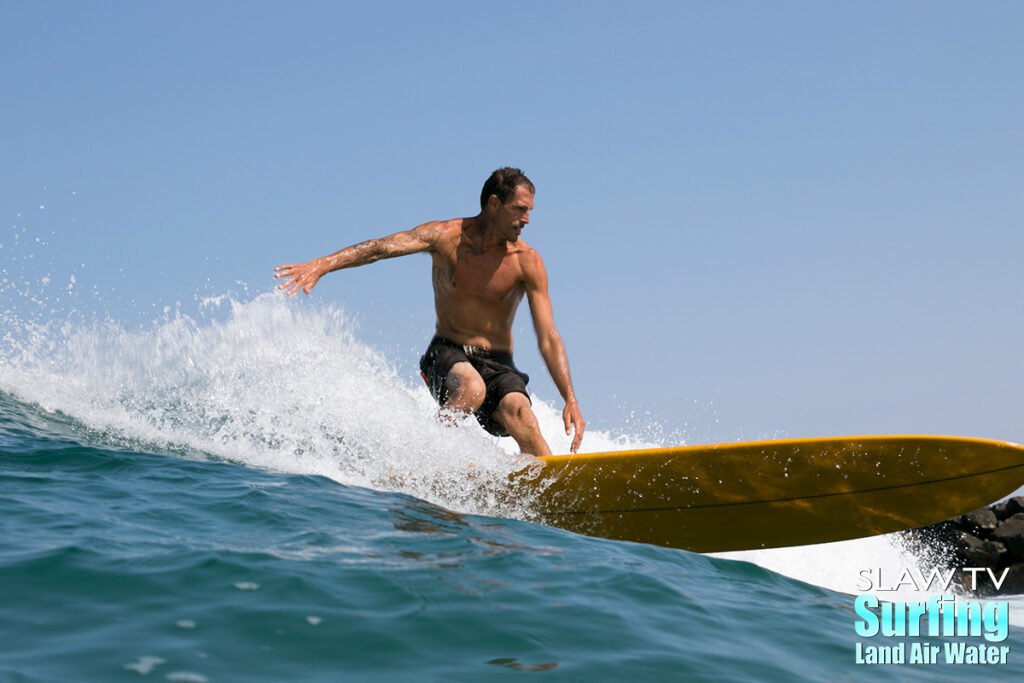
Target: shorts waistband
[{"x": 470, "y": 350}]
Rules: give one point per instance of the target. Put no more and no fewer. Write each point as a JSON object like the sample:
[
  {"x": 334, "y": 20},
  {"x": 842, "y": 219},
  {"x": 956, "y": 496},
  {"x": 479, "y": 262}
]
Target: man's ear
[{"x": 493, "y": 203}]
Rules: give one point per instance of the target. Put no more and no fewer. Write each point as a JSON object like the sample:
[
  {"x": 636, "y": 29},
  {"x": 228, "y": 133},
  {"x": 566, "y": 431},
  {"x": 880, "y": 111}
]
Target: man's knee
[
  {"x": 466, "y": 389},
  {"x": 515, "y": 409}
]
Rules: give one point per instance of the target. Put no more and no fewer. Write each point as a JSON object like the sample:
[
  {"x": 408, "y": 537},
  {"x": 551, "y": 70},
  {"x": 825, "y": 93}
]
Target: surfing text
[{"x": 943, "y": 616}]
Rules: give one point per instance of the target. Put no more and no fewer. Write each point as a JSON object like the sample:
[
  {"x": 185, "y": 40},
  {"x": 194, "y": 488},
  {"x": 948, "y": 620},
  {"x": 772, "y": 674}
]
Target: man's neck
[{"x": 482, "y": 230}]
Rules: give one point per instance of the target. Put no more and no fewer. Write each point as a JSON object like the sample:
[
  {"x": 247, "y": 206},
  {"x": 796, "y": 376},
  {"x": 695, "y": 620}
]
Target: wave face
[{"x": 251, "y": 493}]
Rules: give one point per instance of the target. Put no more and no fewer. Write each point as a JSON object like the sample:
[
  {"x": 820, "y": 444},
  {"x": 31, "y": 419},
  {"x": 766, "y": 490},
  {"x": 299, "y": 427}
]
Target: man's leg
[
  {"x": 466, "y": 389},
  {"x": 515, "y": 413}
]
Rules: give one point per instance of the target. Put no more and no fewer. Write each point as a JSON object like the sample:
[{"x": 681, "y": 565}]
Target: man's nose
[{"x": 526, "y": 218}]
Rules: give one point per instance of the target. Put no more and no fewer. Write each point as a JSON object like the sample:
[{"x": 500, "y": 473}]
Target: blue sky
[{"x": 759, "y": 219}]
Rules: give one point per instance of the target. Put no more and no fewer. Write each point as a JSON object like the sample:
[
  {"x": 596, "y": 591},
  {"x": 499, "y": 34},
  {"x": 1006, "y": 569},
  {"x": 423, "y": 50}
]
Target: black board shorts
[{"x": 499, "y": 373}]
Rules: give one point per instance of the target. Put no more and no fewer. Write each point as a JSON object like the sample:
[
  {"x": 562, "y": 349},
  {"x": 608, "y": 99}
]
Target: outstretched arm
[
  {"x": 551, "y": 346},
  {"x": 304, "y": 276}
]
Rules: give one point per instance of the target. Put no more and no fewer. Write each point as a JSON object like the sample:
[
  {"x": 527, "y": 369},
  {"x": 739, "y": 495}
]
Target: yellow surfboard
[{"x": 769, "y": 494}]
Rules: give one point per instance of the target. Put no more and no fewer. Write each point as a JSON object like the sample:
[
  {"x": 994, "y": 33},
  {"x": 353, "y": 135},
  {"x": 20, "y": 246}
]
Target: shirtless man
[{"x": 481, "y": 270}]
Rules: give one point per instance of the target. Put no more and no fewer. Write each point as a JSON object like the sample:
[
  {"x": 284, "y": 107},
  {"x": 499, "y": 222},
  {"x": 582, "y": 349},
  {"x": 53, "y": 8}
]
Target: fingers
[
  {"x": 295, "y": 281},
  {"x": 572, "y": 418},
  {"x": 288, "y": 272},
  {"x": 292, "y": 284},
  {"x": 578, "y": 439}
]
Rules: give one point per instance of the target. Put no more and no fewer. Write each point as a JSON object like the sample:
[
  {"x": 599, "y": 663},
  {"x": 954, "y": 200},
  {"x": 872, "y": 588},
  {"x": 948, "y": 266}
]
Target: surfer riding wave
[{"x": 481, "y": 271}]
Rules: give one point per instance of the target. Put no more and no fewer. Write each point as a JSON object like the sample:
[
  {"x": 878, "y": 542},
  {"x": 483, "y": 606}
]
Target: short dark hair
[{"x": 503, "y": 184}]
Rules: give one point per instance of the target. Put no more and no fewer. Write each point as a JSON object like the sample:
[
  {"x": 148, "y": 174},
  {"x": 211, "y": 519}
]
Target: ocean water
[{"x": 251, "y": 493}]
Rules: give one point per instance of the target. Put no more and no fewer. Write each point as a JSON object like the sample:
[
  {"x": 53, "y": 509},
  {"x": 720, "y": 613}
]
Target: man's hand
[
  {"x": 572, "y": 417},
  {"x": 302, "y": 276}
]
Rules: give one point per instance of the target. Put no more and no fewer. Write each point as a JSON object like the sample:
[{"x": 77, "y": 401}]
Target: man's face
[{"x": 514, "y": 214}]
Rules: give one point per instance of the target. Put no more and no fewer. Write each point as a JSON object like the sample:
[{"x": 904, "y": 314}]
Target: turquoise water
[{"x": 193, "y": 502}]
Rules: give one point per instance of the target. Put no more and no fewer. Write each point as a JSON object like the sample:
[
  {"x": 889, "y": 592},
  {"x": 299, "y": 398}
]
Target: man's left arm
[{"x": 551, "y": 346}]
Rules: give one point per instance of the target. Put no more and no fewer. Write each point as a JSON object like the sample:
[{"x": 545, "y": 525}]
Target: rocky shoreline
[{"x": 991, "y": 537}]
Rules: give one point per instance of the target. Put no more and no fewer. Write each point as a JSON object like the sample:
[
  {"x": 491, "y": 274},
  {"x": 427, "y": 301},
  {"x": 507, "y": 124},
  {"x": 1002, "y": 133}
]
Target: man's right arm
[{"x": 304, "y": 276}]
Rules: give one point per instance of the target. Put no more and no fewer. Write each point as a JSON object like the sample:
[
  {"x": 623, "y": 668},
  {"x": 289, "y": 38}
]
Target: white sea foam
[
  {"x": 896, "y": 573},
  {"x": 837, "y": 566},
  {"x": 145, "y": 665},
  {"x": 187, "y": 677},
  {"x": 271, "y": 383}
]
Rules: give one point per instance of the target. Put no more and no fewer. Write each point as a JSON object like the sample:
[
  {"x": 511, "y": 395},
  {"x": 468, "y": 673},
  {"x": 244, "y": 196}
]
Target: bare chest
[{"x": 467, "y": 272}]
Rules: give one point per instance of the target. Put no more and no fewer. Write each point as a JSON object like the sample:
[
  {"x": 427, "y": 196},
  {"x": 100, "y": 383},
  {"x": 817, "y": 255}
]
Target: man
[{"x": 481, "y": 270}]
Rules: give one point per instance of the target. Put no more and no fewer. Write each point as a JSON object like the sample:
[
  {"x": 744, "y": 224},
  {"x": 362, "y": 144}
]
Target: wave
[
  {"x": 287, "y": 386},
  {"x": 267, "y": 383}
]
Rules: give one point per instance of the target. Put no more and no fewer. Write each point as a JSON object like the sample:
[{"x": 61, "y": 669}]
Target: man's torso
[{"x": 477, "y": 288}]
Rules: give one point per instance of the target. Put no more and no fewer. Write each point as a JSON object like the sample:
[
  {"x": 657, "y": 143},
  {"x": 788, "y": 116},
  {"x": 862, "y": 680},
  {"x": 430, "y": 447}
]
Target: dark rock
[
  {"x": 980, "y": 522},
  {"x": 1009, "y": 508},
  {"x": 1010, "y": 532},
  {"x": 975, "y": 552},
  {"x": 991, "y": 537}
]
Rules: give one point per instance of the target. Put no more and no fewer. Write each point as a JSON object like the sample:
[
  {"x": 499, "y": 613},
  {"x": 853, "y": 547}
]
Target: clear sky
[{"x": 759, "y": 218}]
